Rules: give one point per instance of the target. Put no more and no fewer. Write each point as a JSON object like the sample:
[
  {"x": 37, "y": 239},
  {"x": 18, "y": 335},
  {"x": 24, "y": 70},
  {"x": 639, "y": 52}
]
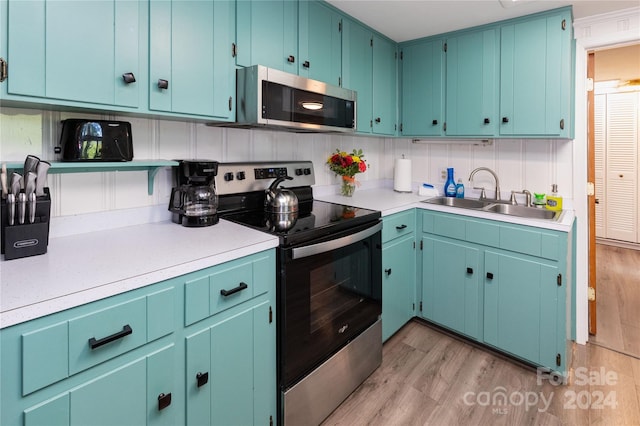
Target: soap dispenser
[
  {"x": 450, "y": 184},
  {"x": 460, "y": 189},
  {"x": 554, "y": 201}
]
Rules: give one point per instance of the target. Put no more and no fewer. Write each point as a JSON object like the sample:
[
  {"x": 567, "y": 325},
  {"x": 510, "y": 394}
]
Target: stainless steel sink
[
  {"x": 465, "y": 203},
  {"x": 522, "y": 211},
  {"x": 496, "y": 206}
]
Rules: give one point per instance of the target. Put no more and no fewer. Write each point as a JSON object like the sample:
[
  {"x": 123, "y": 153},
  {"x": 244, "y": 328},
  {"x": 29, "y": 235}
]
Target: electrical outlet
[{"x": 443, "y": 175}]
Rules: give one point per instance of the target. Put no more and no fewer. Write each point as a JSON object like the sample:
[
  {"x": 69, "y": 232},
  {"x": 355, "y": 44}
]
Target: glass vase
[{"x": 348, "y": 186}]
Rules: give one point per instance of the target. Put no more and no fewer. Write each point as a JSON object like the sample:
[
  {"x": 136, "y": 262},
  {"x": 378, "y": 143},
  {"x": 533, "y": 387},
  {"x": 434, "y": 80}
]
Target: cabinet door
[
  {"x": 268, "y": 34},
  {"x": 191, "y": 66},
  {"x": 74, "y": 50},
  {"x": 320, "y": 43},
  {"x": 423, "y": 89},
  {"x": 472, "y": 84},
  {"x": 357, "y": 72},
  {"x": 521, "y": 307},
  {"x": 398, "y": 284},
  {"x": 238, "y": 356},
  {"x": 384, "y": 86},
  {"x": 532, "y": 63},
  {"x": 452, "y": 295},
  {"x": 118, "y": 397}
]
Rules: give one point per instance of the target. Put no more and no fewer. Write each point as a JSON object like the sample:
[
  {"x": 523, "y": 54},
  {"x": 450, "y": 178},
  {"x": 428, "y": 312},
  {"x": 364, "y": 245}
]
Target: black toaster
[{"x": 95, "y": 140}]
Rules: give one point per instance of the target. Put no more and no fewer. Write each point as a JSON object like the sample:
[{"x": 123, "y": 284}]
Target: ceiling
[{"x": 403, "y": 20}]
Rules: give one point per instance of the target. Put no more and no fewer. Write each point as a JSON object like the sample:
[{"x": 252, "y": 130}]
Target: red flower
[{"x": 362, "y": 166}]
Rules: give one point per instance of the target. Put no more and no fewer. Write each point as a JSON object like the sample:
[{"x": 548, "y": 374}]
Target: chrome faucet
[
  {"x": 483, "y": 195},
  {"x": 527, "y": 195}
]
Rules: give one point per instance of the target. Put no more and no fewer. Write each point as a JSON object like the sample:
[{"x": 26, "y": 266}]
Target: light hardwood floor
[
  {"x": 430, "y": 378},
  {"x": 618, "y": 299}
]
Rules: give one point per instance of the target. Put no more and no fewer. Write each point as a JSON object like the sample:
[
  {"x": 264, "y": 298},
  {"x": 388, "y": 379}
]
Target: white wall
[{"x": 520, "y": 164}]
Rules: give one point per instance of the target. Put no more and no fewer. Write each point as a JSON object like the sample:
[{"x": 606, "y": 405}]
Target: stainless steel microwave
[{"x": 274, "y": 99}]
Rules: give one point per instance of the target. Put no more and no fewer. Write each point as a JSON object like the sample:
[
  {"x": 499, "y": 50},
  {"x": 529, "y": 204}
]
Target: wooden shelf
[{"x": 151, "y": 166}]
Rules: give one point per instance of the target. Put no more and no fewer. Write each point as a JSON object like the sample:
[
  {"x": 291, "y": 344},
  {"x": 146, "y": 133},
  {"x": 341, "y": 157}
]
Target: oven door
[{"x": 330, "y": 291}]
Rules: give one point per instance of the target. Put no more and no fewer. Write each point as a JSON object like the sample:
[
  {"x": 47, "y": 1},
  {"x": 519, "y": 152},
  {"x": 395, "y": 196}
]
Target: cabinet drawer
[
  {"x": 225, "y": 286},
  {"x": 397, "y": 225},
  {"x": 487, "y": 234},
  {"x": 534, "y": 243},
  {"x": 102, "y": 335},
  {"x": 448, "y": 226}
]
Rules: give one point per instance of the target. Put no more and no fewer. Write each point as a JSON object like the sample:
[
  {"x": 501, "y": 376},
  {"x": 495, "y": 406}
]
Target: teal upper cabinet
[
  {"x": 357, "y": 72},
  {"x": 385, "y": 86},
  {"x": 267, "y": 34},
  {"x": 472, "y": 83},
  {"x": 535, "y": 71},
  {"x": 422, "y": 88},
  {"x": 320, "y": 42},
  {"x": 191, "y": 68},
  {"x": 369, "y": 66},
  {"x": 75, "y": 51}
]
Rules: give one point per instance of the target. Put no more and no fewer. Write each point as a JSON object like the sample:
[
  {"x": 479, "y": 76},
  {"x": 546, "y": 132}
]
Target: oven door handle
[{"x": 306, "y": 251}]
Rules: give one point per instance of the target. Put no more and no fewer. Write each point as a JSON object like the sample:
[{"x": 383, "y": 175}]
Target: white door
[{"x": 619, "y": 189}]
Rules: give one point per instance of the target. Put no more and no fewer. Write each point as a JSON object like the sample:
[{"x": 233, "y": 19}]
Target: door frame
[
  {"x": 591, "y": 193},
  {"x": 599, "y": 31}
]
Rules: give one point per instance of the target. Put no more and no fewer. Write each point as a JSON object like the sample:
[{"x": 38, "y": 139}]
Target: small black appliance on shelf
[
  {"x": 194, "y": 202},
  {"x": 95, "y": 140}
]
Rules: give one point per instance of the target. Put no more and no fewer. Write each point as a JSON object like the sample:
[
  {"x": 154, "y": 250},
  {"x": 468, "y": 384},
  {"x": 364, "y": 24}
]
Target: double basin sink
[{"x": 496, "y": 206}]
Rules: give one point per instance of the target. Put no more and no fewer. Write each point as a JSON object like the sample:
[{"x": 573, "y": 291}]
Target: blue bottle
[
  {"x": 450, "y": 184},
  {"x": 460, "y": 189}
]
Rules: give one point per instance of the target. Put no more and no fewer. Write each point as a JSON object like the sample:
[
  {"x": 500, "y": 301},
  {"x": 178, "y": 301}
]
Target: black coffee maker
[{"x": 194, "y": 201}]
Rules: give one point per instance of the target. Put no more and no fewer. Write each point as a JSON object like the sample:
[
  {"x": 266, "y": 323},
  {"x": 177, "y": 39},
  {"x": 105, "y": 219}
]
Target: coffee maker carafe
[{"x": 194, "y": 201}]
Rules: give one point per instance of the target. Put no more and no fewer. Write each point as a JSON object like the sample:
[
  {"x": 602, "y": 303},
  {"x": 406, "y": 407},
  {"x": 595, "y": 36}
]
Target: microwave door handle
[{"x": 306, "y": 251}]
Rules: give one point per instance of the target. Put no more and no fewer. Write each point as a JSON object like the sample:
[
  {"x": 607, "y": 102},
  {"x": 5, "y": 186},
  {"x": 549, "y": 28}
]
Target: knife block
[{"x": 28, "y": 239}]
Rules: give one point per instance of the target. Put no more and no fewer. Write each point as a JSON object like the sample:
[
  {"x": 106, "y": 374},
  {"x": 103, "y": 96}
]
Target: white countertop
[
  {"x": 83, "y": 268},
  {"x": 86, "y": 267},
  {"x": 389, "y": 202}
]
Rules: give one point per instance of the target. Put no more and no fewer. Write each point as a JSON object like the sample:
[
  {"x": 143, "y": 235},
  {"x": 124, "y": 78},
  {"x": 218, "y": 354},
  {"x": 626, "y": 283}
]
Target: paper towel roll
[{"x": 402, "y": 175}]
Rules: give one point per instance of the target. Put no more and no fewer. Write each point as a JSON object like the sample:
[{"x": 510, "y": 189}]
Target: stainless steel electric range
[{"x": 329, "y": 285}]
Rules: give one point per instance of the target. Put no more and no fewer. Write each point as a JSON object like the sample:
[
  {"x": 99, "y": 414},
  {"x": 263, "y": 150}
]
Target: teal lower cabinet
[
  {"x": 398, "y": 271},
  {"x": 505, "y": 285},
  {"x": 452, "y": 291},
  {"x": 227, "y": 381},
  {"x": 123, "y": 360}
]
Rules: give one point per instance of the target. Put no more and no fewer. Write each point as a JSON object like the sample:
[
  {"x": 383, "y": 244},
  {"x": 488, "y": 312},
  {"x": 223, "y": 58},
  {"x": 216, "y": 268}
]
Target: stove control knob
[
  {"x": 240, "y": 176},
  {"x": 298, "y": 172},
  {"x": 307, "y": 171},
  {"x": 228, "y": 176}
]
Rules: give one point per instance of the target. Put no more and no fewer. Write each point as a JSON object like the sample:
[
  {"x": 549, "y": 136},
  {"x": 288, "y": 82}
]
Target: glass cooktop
[{"x": 315, "y": 219}]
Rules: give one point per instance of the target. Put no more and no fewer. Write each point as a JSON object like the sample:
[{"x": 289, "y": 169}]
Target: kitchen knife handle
[
  {"x": 226, "y": 293},
  {"x": 32, "y": 207},
  {"x": 11, "y": 208},
  {"x": 22, "y": 206},
  {"x": 126, "y": 330}
]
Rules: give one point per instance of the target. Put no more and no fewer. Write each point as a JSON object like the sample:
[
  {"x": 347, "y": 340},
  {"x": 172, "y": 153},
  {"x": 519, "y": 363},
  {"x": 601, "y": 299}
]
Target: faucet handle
[
  {"x": 483, "y": 194},
  {"x": 513, "y": 198}
]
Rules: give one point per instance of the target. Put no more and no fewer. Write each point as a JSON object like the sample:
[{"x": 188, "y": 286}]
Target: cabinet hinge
[
  {"x": 371, "y": 42},
  {"x": 414, "y": 245},
  {"x": 562, "y": 124},
  {"x": 371, "y": 123},
  {"x": 395, "y": 127},
  {"x": 230, "y": 103},
  {"x": 559, "y": 280},
  {"x": 339, "y": 81},
  {"x": 413, "y": 306},
  {"x": 444, "y": 127},
  {"x": 421, "y": 245},
  {"x": 4, "y": 73},
  {"x": 270, "y": 420},
  {"x": 401, "y": 55},
  {"x": 340, "y": 26},
  {"x": 400, "y": 127},
  {"x": 444, "y": 47},
  {"x": 421, "y": 306},
  {"x": 564, "y": 24},
  {"x": 234, "y": 50},
  {"x": 270, "y": 315},
  {"x": 395, "y": 55},
  {"x": 558, "y": 360}
]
